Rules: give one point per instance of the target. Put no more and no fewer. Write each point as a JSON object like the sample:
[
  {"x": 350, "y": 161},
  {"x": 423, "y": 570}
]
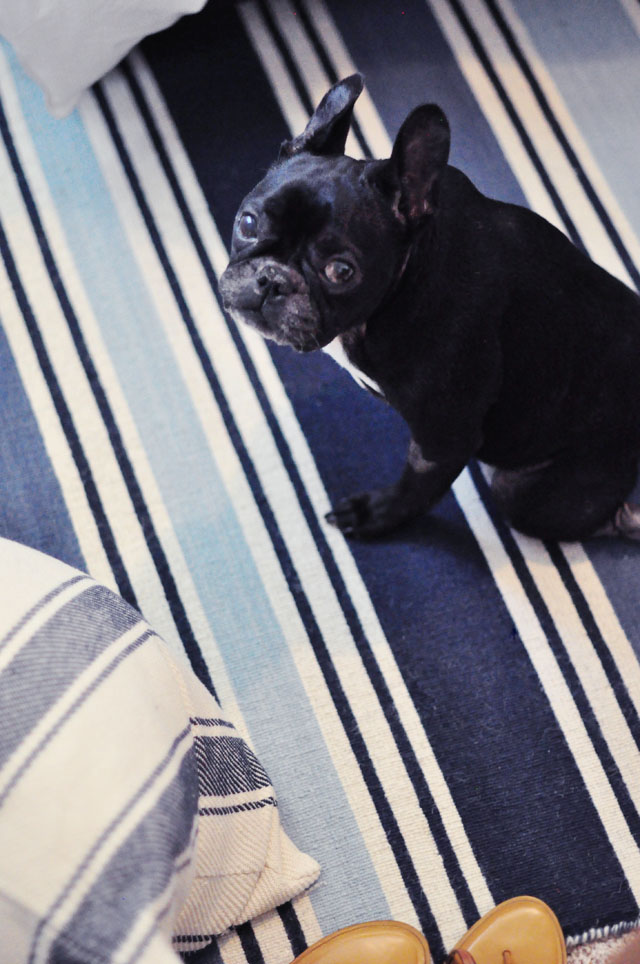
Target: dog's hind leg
[{"x": 571, "y": 497}]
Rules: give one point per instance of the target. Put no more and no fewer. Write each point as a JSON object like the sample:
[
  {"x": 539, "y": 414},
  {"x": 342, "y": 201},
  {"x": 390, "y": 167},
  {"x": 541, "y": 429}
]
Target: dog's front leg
[{"x": 420, "y": 486}]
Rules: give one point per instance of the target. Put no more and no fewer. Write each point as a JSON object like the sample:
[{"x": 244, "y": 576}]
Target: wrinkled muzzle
[{"x": 275, "y": 299}]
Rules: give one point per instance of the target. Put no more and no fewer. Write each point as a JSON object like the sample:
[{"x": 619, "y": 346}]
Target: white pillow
[
  {"x": 66, "y": 45},
  {"x": 132, "y": 814}
]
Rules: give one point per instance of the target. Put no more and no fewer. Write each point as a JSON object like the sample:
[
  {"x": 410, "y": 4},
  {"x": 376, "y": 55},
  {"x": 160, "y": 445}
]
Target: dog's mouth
[
  {"x": 274, "y": 301},
  {"x": 302, "y": 337}
]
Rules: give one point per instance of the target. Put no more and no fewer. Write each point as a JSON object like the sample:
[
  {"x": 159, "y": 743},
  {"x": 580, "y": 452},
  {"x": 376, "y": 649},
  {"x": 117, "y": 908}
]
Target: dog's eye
[
  {"x": 338, "y": 271},
  {"x": 248, "y": 226}
]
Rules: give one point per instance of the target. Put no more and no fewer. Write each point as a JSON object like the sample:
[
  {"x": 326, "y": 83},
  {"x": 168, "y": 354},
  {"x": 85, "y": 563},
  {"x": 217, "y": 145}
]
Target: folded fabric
[
  {"x": 132, "y": 814},
  {"x": 66, "y": 45}
]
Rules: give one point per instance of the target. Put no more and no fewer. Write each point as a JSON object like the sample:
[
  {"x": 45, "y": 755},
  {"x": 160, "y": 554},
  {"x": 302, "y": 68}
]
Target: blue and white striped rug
[{"x": 450, "y": 716}]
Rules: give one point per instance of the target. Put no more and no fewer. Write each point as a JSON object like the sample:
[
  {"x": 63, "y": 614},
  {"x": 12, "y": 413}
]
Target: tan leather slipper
[
  {"x": 523, "y": 930},
  {"x": 376, "y": 942}
]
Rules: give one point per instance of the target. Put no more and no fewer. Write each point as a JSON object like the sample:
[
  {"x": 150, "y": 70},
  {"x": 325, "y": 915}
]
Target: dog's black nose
[{"x": 272, "y": 280}]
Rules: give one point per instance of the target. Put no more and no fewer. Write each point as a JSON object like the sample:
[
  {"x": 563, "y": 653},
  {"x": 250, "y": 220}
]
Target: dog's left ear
[
  {"x": 419, "y": 156},
  {"x": 327, "y": 130}
]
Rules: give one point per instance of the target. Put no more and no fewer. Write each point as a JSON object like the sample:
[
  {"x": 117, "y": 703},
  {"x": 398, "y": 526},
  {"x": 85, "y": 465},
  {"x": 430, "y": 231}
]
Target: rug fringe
[{"x": 601, "y": 933}]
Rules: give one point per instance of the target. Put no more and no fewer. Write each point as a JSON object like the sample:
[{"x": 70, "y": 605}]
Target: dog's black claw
[
  {"x": 369, "y": 514},
  {"x": 332, "y": 519}
]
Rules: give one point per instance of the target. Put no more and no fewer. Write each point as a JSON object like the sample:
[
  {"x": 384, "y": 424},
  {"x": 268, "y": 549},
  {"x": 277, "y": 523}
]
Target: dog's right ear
[
  {"x": 420, "y": 153},
  {"x": 327, "y": 130}
]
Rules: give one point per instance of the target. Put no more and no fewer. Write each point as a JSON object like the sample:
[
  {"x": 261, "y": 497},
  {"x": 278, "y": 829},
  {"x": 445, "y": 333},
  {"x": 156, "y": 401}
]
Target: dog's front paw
[{"x": 370, "y": 514}]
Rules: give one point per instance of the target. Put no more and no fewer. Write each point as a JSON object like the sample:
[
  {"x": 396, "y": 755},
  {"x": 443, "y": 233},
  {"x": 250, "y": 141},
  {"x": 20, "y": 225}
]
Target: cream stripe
[
  {"x": 92, "y": 868},
  {"x": 572, "y": 133},
  {"x": 135, "y": 553},
  {"x": 365, "y": 111},
  {"x": 313, "y": 485},
  {"x": 489, "y": 102},
  {"x": 557, "y": 599},
  {"x": 62, "y": 352},
  {"x": 358, "y": 592},
  {"x": 555, "y": 687},
  {"x": 544, "y": 140},
  {"x": 300, "y": 542},
  {"x": 272, "y": 938},
  {"x": 290, "y": 104},
  {"x": 48, "y": 722},
  {"x": 235, "y": 799},
  {"x": 231, "y": 949},
  {"x": 40, "y": 618},
  {"x": 52, "y": 435},
  {"x": 221, "y": 348},
  {"x": 35, "y": 386},
  {"x": 606, "y": 619},
  {"x": 595, "y": 677},
  {"x": 305, "y": 57},
  {"x": 586, "y": 663}
]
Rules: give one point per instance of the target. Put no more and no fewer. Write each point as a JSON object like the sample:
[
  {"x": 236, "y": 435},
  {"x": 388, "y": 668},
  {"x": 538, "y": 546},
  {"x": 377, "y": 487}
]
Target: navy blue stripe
[
  {"x": 561, "y": 655},
  {"x": 56, "y": 654},
  {"x": 583, "y": 608},
  {"x": 156, "y": 925},
  {"x": 84, "y": 470},
  {"x": 314, "y": 524},
  {"x": 155, "y": 548},
  {"x": 511, "y": 863},
  {"x": 555, "y": 125},
  {"x": 209, "y": 721},
  {"x": 343, "y": 707},
  {"x": 194, "y": 939},
  {"x": 330, "y": 70},
  {"x": 36, "y": 514},
  {"x": 210, "y": 954},
  {"x": 77, "y": 703},
  {"x": 39, "y": 606},
  {"x": 283, "y": 50},
  {"x": 415, "y": 772},
  {"x": 226, "y": 765},
  {"x": 293, "y": 928},
  {"x": 238, "y": 808},
  {"x": 250, "y": 944},
  {"x": 604, "y": 653},
  {"x": 106, "y": 914},
  {"x": 482, "y": 55}
]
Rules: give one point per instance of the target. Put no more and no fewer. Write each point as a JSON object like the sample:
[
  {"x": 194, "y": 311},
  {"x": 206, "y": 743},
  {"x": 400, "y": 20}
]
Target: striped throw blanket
[
  {"x": 132, "y": 813},
  {"x": 450, "y": 716}
]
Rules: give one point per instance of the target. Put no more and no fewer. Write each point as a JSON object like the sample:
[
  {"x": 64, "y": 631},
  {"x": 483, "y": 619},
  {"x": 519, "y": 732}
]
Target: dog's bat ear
[
  {"x": 419, "y": 156},
  {"x": 327, "y": 130}
]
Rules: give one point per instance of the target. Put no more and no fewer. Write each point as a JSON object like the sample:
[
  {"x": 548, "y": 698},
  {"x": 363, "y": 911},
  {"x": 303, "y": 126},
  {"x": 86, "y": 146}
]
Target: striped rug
[{"x": 450, "y": 716}]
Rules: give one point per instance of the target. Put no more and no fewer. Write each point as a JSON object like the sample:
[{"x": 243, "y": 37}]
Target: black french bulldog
[{"x": 489, "y": 331}]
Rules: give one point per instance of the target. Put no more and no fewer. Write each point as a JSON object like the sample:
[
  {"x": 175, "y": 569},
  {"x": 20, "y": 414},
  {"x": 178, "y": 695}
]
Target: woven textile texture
[
  {"x": 449, "y": 715},
  {"x": 132, "y": 814}
]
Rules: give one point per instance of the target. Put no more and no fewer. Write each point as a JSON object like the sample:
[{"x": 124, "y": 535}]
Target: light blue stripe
[
  {"x": 32, "y": 508},
  {"x": 271, "y": 696},
  {"x": 591, "y": 51}
]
